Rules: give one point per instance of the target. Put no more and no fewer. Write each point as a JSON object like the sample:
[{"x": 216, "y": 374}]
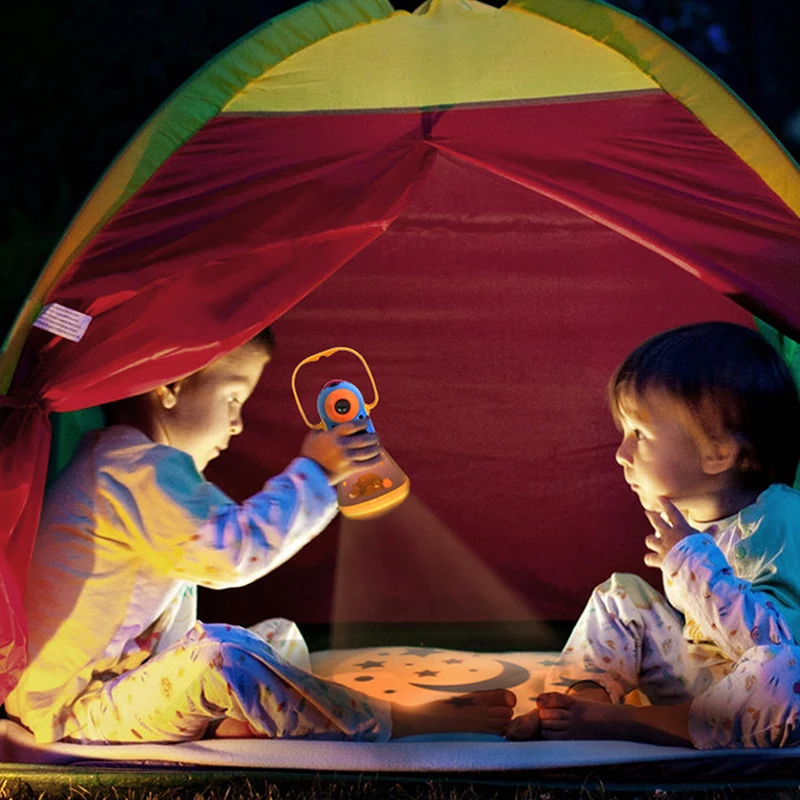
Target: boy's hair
[
  {"x": 118, "y": 409},
  {"x": 266, "y": 340},
  {"x": 732, "y": 382}
]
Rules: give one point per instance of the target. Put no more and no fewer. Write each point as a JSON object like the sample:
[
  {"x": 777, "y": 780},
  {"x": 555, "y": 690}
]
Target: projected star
[
  {"x": 453, "y": 661},
  {"x": 418, "y": 651},
  {"x": 370, "y": 664},
  {"x": 460, "y": 702},
  {"x": 427, "y": 673}
]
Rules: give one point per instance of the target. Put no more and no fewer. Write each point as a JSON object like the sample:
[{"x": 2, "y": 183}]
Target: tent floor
[{"x": 411, "y": 675}]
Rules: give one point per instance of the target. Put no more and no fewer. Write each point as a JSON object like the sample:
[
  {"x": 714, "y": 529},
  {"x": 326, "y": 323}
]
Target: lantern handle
[{"x": 324, "y": 354}]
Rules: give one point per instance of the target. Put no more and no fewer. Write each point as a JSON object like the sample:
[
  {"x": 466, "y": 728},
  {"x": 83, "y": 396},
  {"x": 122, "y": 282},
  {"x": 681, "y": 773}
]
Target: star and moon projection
[{"x": 415, "y": 675}]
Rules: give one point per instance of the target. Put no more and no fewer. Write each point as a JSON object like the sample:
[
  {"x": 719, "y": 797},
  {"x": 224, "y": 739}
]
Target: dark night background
[{"x": 82, "y": 76}]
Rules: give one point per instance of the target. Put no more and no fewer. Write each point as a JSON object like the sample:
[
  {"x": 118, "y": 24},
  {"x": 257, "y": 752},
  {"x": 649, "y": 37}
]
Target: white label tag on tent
[{"x": 63, "y": 321}]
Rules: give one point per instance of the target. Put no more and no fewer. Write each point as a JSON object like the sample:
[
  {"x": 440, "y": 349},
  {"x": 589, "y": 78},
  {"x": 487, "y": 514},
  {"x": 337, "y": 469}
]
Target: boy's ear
[
  {"x": 168, "y": 394},
  {"x": 720, "y": 455}
]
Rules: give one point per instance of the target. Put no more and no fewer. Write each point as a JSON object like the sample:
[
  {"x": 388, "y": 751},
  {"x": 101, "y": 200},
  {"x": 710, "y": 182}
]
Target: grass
[{"x": 44, "y": 783}]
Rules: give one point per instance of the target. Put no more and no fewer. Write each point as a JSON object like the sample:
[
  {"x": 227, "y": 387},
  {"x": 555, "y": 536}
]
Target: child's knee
[
  {"x": 623, "y": 580},
  {"x": 626, "y": 586},
  {"x": 220, "y": 645},
  {"x": 285, "y": 638},
  {"x": 773, "y": 670},
  {"x": 756, "y": 705}
]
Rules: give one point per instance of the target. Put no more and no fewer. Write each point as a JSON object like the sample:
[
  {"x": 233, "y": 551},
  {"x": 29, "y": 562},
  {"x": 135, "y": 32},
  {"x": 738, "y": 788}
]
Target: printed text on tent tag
[{"x": 63, "y": 321}]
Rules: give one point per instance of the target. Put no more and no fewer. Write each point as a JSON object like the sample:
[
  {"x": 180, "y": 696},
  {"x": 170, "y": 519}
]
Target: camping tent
[{"x": 493, "y": 206}]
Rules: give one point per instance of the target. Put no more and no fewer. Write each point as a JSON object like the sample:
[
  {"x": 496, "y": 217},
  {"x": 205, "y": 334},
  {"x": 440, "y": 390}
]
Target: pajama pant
[
  {"x": 629, "y": 637},
  {"x": 218, "y": 671}
]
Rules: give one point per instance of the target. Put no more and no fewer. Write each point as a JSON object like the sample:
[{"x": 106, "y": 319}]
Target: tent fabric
[
  {"x": 622, "y": 183},
  {"x": 685, "y": 79},
  {"x": 173, "y": 125},
  {"x": 486, "y": 60},
  {"x": 491, "y": 366}
]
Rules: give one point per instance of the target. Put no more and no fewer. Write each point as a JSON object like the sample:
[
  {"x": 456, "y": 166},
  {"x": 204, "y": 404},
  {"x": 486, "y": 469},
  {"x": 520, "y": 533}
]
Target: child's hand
[
  {"x": 667, "y": 532},
  {"x": 343, "y": 450}
]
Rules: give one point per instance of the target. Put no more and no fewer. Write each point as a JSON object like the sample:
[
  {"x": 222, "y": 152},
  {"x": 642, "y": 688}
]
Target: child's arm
[
  {"x": 191, "y": 530},
  {"x": 734, "y": 613}
]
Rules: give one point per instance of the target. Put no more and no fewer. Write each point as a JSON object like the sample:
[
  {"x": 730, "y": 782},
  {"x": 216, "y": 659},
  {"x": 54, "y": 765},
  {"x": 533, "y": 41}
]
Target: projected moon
[
  {"x": 511, "y": 675},
  {"x": 412, "y": 676}
]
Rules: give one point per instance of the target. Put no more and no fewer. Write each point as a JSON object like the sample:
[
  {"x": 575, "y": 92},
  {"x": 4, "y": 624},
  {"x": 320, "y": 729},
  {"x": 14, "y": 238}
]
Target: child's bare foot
[
  {"x": 477, "y": 712},
  {"x": 234, "y": 729},
  {"x": 589, "y": 690},
  {"x": 528, "y": 726},
  {"x": 567, "y": 716},
  {"x": 524, "y": 727}
]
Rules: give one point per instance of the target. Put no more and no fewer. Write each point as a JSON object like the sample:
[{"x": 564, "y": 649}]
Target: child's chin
[
  {"x": 647, "y": 501},
  {"x": 649, "y": 504}
]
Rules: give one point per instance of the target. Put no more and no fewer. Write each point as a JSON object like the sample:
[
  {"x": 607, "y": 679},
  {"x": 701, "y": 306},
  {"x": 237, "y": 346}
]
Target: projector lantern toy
[{"x": 381, "y": 485}]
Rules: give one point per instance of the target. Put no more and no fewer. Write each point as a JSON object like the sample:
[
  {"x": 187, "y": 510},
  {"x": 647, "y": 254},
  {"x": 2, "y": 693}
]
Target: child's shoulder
[
  {"x": 779, "y": 493},
  {"x": 121, "y": 449},
  {"x": 118, "y": 440},
  {"x": 777, "y": 500}
]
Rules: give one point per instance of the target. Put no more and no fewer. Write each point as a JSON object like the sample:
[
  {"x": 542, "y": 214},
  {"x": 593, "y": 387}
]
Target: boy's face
[
  {"x": 660, "y": 456},
  {"x": 206, "y": 407}
]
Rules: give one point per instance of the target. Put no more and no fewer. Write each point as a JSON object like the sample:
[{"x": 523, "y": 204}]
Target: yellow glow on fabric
[
  {"x": 448, "y": 52},
  {"x": 411, "y": 676}
]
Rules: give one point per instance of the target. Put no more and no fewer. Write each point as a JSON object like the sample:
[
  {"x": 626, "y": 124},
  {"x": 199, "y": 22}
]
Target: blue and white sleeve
[
  {"x": 732, "y": 612},
  {"x": 190, "y": 529}
]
